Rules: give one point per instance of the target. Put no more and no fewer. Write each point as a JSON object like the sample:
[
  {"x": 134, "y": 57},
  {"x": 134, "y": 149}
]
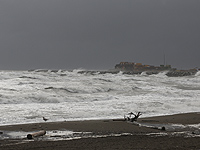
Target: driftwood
[
  {"x": 131, "y": 118},
  {"x": 36, "y": 134},
  {"x": 150, "y": 126}
]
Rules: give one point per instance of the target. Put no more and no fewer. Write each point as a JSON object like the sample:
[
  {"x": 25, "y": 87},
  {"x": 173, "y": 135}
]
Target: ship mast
[{"x": 164, "y": 58}]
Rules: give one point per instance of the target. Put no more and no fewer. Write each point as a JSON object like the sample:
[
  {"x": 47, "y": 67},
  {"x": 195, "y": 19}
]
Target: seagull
[{"x": 45, "y": 119}]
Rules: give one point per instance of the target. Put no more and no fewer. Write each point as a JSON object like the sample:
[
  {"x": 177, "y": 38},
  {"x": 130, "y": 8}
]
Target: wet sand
[{"x": 129, "y": 135}]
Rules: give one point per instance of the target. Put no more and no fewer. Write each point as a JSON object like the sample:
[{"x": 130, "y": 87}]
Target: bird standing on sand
[{"x": 45, "y": 119}]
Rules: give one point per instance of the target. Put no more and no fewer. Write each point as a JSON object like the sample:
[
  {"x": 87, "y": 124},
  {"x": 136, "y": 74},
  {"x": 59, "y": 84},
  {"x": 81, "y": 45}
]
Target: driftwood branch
[
  {"x": 36, "y": 134},
  {"x": 132, "y": 117}
]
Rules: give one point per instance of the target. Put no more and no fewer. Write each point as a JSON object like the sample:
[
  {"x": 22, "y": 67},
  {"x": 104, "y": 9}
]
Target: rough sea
[{"x": 27, "y": 96}]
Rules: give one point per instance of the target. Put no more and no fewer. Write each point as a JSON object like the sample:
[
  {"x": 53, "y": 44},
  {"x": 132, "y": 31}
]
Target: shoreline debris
[
  {"x": 36, "y": 134},
  {"x": 132, "y": 117}
]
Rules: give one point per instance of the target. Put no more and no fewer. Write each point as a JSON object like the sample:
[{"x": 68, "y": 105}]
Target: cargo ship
[
  {"x": 138, "y": 68},
  {"x": 131, "y": 66}
]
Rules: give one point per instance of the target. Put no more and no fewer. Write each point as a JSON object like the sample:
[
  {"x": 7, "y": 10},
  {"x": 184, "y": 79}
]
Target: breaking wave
[{"x": 78, "y": 94}]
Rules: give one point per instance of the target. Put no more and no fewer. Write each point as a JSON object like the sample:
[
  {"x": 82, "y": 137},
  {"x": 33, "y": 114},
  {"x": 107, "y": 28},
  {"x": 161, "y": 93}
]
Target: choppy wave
[
  {"x": 26, "y": 96},
  {"x": 198, "y": 73}
]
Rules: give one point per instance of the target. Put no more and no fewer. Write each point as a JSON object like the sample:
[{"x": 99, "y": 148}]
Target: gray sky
[{"x": 97, "y": 34}]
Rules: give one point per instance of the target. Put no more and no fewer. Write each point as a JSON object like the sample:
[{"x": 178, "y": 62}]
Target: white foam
[
  {"x": 198, "y": 74},
  {"x": 68, "y": 95}
]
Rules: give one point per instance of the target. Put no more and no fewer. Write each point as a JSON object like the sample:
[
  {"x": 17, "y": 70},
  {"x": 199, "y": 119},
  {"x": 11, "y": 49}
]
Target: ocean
[{"x": 27, "y": 96}]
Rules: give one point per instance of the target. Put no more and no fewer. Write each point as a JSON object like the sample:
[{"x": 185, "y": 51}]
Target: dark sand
[{"x": 138, "y": 137}]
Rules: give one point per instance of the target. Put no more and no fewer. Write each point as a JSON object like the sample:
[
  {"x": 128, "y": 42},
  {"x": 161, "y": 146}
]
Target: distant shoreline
[
  {"x": 176, "y": 73},
  {"x": 169, "y": 73}
]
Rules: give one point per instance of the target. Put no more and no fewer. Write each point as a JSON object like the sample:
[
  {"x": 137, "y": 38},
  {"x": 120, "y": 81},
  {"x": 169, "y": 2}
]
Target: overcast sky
[{"x": 97, "y": 34}]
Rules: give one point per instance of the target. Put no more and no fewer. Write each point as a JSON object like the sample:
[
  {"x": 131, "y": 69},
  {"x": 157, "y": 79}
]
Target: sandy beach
[{"x": 181, "y": 131}]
